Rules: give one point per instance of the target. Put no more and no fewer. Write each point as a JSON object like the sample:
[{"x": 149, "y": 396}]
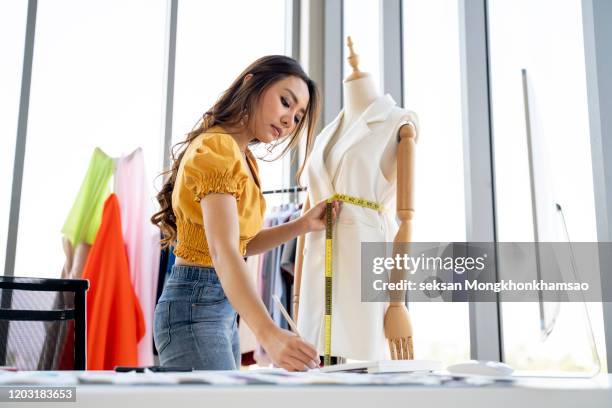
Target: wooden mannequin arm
[
  {"x": 405, "y": 191},
  {"x": 397, "y": 325},
  {"x": 299, "y": 260},
  {"x": 405, "y": 180}
]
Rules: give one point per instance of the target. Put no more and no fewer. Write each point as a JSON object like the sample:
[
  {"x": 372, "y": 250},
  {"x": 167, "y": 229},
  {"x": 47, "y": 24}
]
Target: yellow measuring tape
[{"x": 328, "y": 259}]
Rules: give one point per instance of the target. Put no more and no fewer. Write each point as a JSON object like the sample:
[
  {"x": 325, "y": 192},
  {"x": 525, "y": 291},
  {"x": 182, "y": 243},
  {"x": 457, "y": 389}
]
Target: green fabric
[{"x": 84, "y": 218}]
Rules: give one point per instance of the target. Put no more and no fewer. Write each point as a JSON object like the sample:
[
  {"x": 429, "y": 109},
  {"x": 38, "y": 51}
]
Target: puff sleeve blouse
[{"x": 213, "y": 164}]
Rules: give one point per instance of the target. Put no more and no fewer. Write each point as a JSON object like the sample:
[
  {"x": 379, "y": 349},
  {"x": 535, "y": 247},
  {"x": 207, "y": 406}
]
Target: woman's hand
[
  {"x": 289, "y": 351},
  {"x": 314, "y": 218}
]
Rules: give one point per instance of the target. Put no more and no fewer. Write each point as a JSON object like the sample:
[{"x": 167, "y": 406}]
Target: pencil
[{"x": 286, "y": 315}]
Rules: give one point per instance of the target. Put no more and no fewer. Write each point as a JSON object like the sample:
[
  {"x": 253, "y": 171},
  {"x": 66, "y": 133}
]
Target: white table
[{"x": 524, "y": 393}]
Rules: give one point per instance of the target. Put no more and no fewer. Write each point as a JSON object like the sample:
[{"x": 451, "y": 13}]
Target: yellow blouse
[{"x": 213, "y": 164}]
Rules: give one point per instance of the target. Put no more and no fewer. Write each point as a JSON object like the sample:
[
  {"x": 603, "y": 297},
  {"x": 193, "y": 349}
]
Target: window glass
[
  {"x": 214, "y": 45},
  {"x": 13, "y": 16},
  {"x": 432, "y": 89},
  {"x": 96, "y": 81},
  {"x": 549, "y": 46},
  {"x": 362, "y": 23}
]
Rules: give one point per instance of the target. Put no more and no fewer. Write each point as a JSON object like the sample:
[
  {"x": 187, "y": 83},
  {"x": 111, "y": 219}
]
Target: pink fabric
[{"x": 141, "y": 239}]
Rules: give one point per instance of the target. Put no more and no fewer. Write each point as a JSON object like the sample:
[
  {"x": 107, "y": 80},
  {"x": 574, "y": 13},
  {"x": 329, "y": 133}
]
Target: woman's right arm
[{"x": 220, "y": 219}]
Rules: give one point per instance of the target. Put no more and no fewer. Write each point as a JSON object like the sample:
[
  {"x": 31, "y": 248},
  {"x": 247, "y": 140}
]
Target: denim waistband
[{"x": 195, "y": 273}]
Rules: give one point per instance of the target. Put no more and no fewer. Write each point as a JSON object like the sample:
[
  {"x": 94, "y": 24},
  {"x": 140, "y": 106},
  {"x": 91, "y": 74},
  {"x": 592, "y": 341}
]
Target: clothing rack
[{"x": 293, "y": 189}]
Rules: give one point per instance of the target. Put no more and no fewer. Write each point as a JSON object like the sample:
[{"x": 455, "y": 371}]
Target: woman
[{"x": 212, "y": 211}]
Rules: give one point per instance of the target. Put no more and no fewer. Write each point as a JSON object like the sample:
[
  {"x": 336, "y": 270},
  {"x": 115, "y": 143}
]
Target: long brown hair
[{"x": 237, "y": 102}]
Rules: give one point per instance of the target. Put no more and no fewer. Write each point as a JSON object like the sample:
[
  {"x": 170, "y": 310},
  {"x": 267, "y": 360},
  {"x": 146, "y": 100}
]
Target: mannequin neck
[{"x": 358, "y": 95}]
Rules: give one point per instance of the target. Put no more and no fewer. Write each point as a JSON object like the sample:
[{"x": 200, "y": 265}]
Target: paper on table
[
  {"x": 148, "y": 377},
  {"x": 132, "y": 377},
  {"x": 264, "y": 376},
  {"x": 96, "y": 377},
  {"x": 37, "y": 377},
  {"x": 207, "y": 377},
  {"x": 283, "y": 377},
  {"x": 386, "y": 366}
]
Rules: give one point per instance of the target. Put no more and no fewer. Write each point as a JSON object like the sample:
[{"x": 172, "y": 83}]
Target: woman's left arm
[{"x": 312, "y": 220}]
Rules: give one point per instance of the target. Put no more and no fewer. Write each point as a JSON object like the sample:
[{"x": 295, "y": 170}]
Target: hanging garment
[
  {"x": 85, "y": 216},
  {"x": 361, "y": 163},
  {"x": 141, "y": 239},
  {"x": 287, "y": 262},
  {"x": 279, "y": 288},
  {"x": 287, "y": 265},
  {"x": 166, "y": 261},
  {"x": 248, "y": 341},
  {"x": 79, "y": 232},
  {"x": 283, "y": 285},
  {"x": 114, "y": 319},
  {"x": 271, "y": 279},
  {"x": 259, "y": 355},
  {"x": 266, "y": 271},
  {"x": 269, "y": 276}
]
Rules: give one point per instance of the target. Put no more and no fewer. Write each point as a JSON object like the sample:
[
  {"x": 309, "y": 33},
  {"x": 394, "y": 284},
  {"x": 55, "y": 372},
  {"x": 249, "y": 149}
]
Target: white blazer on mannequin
[{"x": 361, "y": 163}]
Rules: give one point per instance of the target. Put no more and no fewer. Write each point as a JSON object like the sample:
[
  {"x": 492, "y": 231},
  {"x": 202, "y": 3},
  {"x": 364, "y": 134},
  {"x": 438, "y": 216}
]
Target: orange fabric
[{"x": 115, "y": 322}]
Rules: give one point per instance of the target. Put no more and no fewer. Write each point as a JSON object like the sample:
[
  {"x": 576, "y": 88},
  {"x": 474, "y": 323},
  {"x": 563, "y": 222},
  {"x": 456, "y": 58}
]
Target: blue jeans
[{"x": 194, "y": 324}]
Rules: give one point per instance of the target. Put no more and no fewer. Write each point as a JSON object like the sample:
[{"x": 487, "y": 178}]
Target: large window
[
  {"x": 545, "y": 39},
  {"x": 362, "y": 23},
  {"x": 12, "y": 37},
  {"x": 97, "y": 80},
  {"x": 215, "y": 43},
  {"x": 432, "y": 89}
]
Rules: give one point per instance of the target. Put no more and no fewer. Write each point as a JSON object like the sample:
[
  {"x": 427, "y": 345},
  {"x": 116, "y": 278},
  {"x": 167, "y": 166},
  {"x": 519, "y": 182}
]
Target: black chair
[{"x": 42, "y": 323}]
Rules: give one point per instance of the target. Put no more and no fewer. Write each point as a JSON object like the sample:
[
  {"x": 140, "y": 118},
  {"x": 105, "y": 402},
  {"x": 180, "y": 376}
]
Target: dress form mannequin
[
  {"x": 359, "y": 93},
  {"x": 358, "y": 90}
]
